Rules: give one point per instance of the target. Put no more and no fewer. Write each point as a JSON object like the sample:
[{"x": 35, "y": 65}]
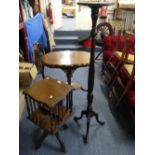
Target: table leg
[
  {"x": 43, "y": 136},
  {"x": 43, "y": 75},
  {"x": 69, "y": 98},
  {"x": 62, "y": 145}
]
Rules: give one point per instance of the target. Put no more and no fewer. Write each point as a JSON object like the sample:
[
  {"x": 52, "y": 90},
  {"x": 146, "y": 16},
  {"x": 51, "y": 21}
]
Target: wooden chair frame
[{"x": 109, "y": 78}]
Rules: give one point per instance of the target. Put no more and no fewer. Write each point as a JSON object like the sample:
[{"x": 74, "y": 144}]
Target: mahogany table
[
  {"x": 43, "y": 100},
  {"x": 68, "y": 61},
  {"x": 89, "y": 111}
]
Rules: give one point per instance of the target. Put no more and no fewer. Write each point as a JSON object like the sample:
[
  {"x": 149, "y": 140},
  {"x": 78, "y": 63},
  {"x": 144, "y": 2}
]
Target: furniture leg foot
[
  {"x": 63, "y": 149},
  {"x": 65, "y": 126},
  {"x": 85, "y": 140},
  {"x": 43, "y": 136},
  {"x": 97, "y": 118}
]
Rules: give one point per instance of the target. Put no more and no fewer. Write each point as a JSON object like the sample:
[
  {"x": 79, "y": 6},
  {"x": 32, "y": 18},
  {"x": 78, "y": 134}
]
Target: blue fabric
[{"x": 35, "y": 33}]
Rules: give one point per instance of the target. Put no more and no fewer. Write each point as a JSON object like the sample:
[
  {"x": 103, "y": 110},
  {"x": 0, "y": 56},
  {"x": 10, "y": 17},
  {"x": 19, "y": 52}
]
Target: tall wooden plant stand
[{"x": 89, "y": 111}]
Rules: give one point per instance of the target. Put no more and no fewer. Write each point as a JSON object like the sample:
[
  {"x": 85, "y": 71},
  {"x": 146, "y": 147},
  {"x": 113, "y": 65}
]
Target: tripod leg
[
  {"x": 71, "y": 101},
  {"x": 85, "y": 138},
  {"x": 78, "y": 118},
  {"x": 97, "y": 119},
  {"x": 65, "y": 126},
  {"x": 63, "y": 149}
]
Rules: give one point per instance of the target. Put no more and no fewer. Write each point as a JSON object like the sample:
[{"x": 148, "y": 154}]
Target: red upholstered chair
[
  {"x": 115, "y": 43},
  {"x": 123, "y": 88},
  {"x": 116, "y": 60},
  {"x": 127, "y": 74}
]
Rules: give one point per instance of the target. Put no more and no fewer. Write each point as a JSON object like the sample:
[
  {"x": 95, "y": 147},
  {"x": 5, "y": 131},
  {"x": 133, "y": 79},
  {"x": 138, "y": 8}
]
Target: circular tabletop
[{"x": 66, "y": 59}]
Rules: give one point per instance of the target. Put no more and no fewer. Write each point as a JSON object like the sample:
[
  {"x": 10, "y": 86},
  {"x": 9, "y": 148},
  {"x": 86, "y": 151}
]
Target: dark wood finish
[
  {"x": 61, "y": 143},
  {"x": 111, "y": 71},
  {"x": 43, "y": 91},
  {"x": 89, "y": 112},
  {"x": 66, "y": 59},
  {"x": 118, "y": 89},
  {"x": 38, "y": 52},
  {"x": 46, "y": 122},
  {"x": 42, "y": 138},
  {"x": 45, "y": 107}
]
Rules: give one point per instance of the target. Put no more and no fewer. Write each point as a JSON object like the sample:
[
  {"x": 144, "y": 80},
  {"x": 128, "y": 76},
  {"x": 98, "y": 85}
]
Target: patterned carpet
[{"x": 110, "y": 139}]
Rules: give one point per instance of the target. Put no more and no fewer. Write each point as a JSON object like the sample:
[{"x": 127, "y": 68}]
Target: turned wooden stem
[{"x": 94, "y": 16}]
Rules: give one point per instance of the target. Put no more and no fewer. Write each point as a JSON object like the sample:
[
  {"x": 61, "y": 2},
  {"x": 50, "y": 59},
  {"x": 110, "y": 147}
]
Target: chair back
[
  {"x": 114, "y": 69},
  {"x": 119, "y": 89},
  {"x": 38, "y": 52}
]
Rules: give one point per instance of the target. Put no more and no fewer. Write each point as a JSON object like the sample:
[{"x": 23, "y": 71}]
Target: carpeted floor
[{"x": 110, "y": 139}]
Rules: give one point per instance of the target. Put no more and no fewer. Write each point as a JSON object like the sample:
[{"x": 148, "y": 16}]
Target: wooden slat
[
  {"x": 130, "y": 58},
  {"x": 50, "y": 124}
]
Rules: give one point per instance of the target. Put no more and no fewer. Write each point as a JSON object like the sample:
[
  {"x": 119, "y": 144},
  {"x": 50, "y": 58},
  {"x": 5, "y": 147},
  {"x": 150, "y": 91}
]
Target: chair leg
[
  {"x": 39, "y": 142},
  {"x": 63, "y": 149}
]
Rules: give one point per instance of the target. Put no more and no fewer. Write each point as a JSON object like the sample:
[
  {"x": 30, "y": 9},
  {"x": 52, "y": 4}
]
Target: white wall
[
  {"x": 57, "y": 13},
  {"x": 83, "y": 18}
]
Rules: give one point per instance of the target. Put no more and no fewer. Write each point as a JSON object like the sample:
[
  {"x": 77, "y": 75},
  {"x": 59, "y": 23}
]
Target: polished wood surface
[
  {"x": 46, "y": 109},
  {"x": 48, "y": 123},
  {"x": 65, "y": 59},
  {"x": 48, "y": 91}
]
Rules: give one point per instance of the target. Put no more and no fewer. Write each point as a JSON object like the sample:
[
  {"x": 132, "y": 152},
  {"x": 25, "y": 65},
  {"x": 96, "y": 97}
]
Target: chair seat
[
  {"x": 125, "y": 74},
  {"x": 128, "y": 68},
  {"x": 130, "y": 58}
]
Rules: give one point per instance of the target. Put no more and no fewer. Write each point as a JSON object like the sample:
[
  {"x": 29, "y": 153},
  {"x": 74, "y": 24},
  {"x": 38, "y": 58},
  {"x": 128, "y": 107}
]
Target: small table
[
  {"x": 68, "y": 61},
  {"x": 45, "y": 109}
]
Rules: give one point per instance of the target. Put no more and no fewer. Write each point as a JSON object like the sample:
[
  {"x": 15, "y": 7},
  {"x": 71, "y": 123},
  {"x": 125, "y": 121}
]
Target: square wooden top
[{"x": 48, "y": 91}]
